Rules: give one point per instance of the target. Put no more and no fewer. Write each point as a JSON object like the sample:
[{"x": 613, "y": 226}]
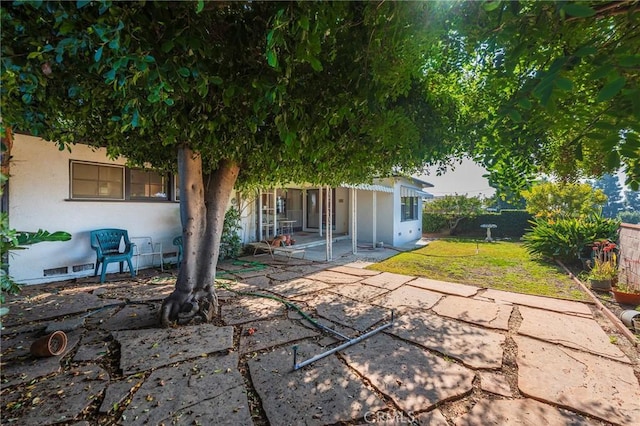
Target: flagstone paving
[
  {"x": 475, "y": 311},
  {"x": 456, "y": 354}
]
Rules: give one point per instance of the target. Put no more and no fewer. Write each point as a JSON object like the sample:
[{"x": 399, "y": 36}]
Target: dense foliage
[
  {"x": 262, "y": 93},
  {"x": 510, "y": 224},
  {"x": 559, "y": 87},
  {"x": 629, "y": 217},
  {"x": 569, "y": 239},
  {"x": 551, "y": 200},
  {"x": 454, "y": 208},
  {"x": 611, "y": 188},
  {"x": 230, "y": 242}
]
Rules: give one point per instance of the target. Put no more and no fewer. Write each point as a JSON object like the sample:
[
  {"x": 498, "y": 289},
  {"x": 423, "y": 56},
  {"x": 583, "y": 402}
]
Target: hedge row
[{"x": 511, "y": 224}]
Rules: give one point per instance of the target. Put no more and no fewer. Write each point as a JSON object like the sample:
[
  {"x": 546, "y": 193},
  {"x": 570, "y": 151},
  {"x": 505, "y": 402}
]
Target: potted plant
[
  {"x": 604, "y": 267},
  {"x": 627, "y": 290}
]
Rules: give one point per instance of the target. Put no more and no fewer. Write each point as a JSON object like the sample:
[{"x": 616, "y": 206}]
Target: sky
[{"x": 466, "y": 178}]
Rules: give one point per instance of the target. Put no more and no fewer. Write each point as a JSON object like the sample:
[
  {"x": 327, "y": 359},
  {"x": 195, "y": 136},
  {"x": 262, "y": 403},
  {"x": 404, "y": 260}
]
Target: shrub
[
  {"x": 230, "y": 242},
  {"x": 511, "y": 223},
  {"x": 434, "y": 222},
  {"x": 629, "y": 217},
  {"x": 570, "y": 239}
]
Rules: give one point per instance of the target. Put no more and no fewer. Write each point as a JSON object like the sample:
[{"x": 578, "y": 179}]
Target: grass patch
[{"x": 499, "y": 265}]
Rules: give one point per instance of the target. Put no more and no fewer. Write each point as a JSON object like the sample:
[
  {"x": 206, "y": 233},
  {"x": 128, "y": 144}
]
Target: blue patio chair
[
  {"x": 177, "y": 241},
  {"x": 111, "y": 245}
]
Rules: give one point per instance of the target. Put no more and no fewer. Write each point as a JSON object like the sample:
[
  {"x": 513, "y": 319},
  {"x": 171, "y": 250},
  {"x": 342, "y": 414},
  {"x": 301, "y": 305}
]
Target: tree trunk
[{"x": 203, "y": 203}]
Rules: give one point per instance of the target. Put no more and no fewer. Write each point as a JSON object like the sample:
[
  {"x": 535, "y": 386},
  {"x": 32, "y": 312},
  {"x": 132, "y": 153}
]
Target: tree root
[{"x": 182, "y": 306}]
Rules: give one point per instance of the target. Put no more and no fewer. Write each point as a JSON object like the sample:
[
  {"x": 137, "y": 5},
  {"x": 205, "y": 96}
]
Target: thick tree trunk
[{"x": 203, "y": 203}]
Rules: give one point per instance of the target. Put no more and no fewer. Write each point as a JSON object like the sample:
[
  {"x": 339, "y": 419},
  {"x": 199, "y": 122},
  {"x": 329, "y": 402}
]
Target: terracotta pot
[
  {"x": 626, "y": 298},
  {"x": 50, "y": 345},
  {"x": 600, "y": 285}
]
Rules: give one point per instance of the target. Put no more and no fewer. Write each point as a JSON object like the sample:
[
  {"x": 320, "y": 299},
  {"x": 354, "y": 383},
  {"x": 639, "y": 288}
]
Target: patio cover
[{"x": 367, "y": 187}]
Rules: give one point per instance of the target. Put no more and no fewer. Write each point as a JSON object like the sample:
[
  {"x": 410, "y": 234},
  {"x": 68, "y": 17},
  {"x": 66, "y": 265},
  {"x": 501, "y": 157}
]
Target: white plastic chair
[{"x": 144, "y": 246}]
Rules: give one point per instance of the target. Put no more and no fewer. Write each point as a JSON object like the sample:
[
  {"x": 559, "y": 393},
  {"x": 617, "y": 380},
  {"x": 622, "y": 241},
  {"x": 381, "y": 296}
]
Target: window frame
[
  {"x": 165, "y": 184},
  {"x": 409, "y": 204},
  {"x": 168, "y": 184},
  {"x": 97, "y": 198}
]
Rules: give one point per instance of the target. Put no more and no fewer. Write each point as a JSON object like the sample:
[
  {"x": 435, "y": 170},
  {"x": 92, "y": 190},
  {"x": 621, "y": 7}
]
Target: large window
[
  {"x": 144, "y": 184},
  {"x": 409, "y": 208},
  {"x": 97, "y": 181},
  {"x": 409, "y": 204},
  {"x": 94, "y": 181}
]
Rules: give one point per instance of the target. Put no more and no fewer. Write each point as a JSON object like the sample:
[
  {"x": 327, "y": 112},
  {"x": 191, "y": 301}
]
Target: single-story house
[{"x": 81, "y": 190}]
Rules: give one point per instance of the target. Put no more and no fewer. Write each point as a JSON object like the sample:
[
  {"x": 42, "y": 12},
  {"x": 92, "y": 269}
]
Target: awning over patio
[
  {"x": 406, "y": 191},
  {"x": 366, "y": 187}
]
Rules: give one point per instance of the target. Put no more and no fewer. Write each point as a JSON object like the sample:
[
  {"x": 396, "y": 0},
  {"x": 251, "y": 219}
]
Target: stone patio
[{"x": 456, "y": 354}]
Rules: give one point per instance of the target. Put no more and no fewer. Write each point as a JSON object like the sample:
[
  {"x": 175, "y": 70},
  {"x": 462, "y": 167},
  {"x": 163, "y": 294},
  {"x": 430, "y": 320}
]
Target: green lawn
[{"x": 498, "y": 265}]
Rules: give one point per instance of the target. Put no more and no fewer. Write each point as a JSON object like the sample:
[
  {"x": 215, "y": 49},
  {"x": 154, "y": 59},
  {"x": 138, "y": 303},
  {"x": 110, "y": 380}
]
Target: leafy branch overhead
[
  {"x": 560, "y": 87},
  {"x": 259, "y": 94}
]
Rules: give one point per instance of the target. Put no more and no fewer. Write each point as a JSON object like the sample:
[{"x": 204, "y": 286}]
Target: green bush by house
[{"x": 569, "y": 239}]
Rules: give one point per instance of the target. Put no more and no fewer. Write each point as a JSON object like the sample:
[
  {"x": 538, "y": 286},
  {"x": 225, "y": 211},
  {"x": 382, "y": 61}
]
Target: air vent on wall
[
  {"x": 85, "y": 267},
  {"x": 56, "y": 271}
]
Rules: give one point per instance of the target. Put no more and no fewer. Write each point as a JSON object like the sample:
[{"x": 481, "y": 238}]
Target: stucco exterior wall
[
  {"x": 630, "y": 252},
  {"x": 402, "y": 232},
  {"x": 39, "y": 199}
]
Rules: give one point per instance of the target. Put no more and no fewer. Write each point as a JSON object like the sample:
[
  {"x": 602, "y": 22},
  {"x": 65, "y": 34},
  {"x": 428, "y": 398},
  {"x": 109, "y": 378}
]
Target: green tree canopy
[
  {"x": 551, "y": 200},
  {"x": 454, "y": 208},
  {"x": 234, "y": 93},
  {"x": 555, "y": 87},
  {"x": 610, "y": 186},
  {"x": 261, "y": 93}
]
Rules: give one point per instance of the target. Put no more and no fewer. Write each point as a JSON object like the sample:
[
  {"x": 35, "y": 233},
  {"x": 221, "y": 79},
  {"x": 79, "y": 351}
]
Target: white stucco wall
[
  {"x": 342, "y": 211},
  {"x": 402, "y": 232},
  {"x": 38, "y": 199}
]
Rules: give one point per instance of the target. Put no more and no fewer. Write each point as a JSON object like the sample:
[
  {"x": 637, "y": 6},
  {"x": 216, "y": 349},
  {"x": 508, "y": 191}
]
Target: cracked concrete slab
[
  {"x": 409, "y": 297},
  {"x": 251, "y": 308},
  {"x": 511, "y": 412},
  {"x": 351, "y": 270},
  {"x": 91, "y": 351},
  {"x": 297, "y": 287},
  {"x": 116, "y": 392},
  {"x": 589, "y": 384},
  {"x": 22, "y": 367},
  {"x": 324, "y": 392},
  {"x": 205, "y": 391},
  {"x": 272, "y": 333},
  {"x": 478, "y": 312},
  {"x": 495, "y": 382},
  {"x": 414, "y": 378},
  {"x": 359, "y": 292},
  {"x": 140, "y": 292},
  {"x": 387, "y": 280},
  {"x": 348, "y": 312},
  {"x": 332, "y": 277},
  {"x": 285, "y": 276},
  {"x": 569, "y": 330},
  {"x": 47, "y": 305},
  {"x": 474, "y": 346},
  {"x": 547, "y": 303},
  {"x": 445, "y": 287},
  {"x": 142, "y": 350},
  {"x": 64, "y": 397},
  {"x": 258, "y": 283},
  {"x": 133, "y": 316}
]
